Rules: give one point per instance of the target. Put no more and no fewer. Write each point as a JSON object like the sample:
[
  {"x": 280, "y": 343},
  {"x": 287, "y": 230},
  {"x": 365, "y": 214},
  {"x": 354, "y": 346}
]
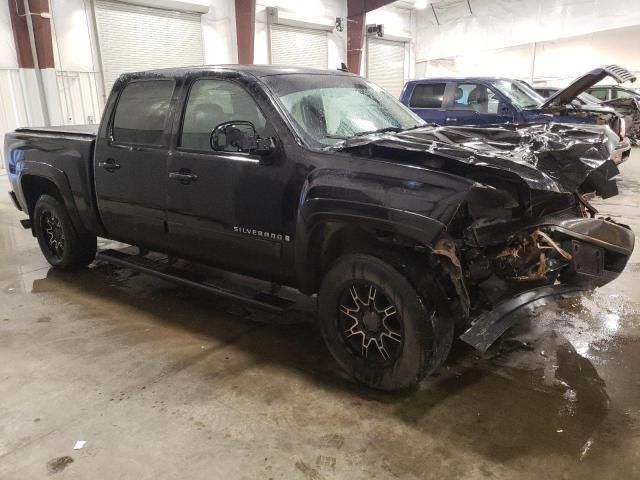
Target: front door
[
  {"x": 227, "y": 208},
  {"x": 476, "y": 104},
  {"x": 130, "y": 164}
]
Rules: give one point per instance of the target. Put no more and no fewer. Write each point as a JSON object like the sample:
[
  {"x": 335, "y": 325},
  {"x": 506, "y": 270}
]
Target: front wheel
[
  {"x": 377, "y": 326},
  {"x": 63, "y": 246}
]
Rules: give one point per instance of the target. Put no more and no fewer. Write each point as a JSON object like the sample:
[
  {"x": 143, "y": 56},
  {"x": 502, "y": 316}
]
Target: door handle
[
  {"x": 184, "y": 176},
  {"x": 451, "y": 119},
  {"x": 110, "y": 165}
]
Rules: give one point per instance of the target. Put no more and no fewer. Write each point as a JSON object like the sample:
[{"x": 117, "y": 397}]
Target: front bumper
[{"x": 600, "y": 249}]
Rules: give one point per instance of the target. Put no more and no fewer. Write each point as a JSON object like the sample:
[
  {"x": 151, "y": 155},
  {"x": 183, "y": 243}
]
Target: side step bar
[{"x": 161, "y": 268}]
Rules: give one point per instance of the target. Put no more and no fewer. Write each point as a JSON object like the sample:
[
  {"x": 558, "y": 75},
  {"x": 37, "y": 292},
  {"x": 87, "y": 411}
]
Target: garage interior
[{"x": 162, "y": 381}]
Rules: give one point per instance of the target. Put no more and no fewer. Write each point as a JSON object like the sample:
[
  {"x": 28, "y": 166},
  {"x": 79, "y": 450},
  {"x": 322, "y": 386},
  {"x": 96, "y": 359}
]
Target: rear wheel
[
  {"x": 377, "y": 326},
  {"x": 61, "y": 244}
]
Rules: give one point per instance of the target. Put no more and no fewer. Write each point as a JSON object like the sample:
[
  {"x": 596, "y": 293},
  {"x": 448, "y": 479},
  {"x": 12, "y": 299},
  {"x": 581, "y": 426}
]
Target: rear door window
[
  {"x": 142, "y": 113},
  {"x": 428, "y": 95}
]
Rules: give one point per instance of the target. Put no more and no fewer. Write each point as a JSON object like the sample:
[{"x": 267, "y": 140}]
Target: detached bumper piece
[{"x": 490, "y": 326}]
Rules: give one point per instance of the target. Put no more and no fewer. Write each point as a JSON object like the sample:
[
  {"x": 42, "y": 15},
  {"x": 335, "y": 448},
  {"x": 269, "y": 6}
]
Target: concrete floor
[{"x": 165, "y": 382}]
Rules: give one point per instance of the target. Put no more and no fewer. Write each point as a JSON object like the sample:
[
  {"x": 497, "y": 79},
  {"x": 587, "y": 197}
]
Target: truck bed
[
  {"x": 85, "y": 130},
  {"x": 63, "y": 155}
]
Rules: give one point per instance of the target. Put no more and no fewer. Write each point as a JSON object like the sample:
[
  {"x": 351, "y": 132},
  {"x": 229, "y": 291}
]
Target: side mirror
[
  {"x": 239, "y": 136},
  {"x": 505, "y": 110}
]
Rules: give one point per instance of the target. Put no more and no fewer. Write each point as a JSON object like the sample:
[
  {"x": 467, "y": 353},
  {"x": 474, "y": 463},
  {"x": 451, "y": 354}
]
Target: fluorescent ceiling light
[{"x": 420, "y": 4}]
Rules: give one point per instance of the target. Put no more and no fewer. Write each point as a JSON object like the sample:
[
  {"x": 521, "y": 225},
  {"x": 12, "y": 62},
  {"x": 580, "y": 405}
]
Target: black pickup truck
[{"x": 321, "y": 182}]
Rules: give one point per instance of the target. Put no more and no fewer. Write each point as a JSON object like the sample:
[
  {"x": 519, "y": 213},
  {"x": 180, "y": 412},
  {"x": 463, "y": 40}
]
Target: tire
[
  {"x": 356, "y": 320},
  {"x": 61, "y": 244}
]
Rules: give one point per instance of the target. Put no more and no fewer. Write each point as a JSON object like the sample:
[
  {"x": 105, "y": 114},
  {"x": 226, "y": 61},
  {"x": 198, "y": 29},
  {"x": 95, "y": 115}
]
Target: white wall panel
[
  {"x": 8, "y": 58},
  {"x": 496, "y": 24},
  {"x": 219, "y": 33},
  {"x": 70, "y": 29},
  {"x": 556, "y": 63},
  {"x": 13, "y": 106}
]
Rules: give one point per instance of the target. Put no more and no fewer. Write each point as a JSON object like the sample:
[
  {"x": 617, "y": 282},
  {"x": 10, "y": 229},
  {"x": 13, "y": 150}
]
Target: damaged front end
[{"x": 524, "y": 230}]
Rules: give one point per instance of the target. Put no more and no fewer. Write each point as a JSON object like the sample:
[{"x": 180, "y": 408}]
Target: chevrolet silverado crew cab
[{"x": 404, "y": 235}]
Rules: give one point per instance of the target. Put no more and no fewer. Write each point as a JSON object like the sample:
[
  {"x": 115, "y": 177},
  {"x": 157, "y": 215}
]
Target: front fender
[{"x": 418, "y": 208}]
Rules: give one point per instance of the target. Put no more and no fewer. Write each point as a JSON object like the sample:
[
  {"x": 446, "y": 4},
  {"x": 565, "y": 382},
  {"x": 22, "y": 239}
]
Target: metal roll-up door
[
  {"x": 134, "y": 38},
  {"x": 385, "y": 64},
  {"x": 304, "y": 47}
]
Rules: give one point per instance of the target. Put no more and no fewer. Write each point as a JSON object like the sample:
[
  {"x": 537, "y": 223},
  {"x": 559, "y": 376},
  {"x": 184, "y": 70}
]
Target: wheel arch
[
  {"x": 39, "y": 179},
  {"x": 329, "y": 235}
]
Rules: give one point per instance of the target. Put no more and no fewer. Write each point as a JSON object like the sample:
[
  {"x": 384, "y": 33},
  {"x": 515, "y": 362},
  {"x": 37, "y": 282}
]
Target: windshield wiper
[
  {"x": 379, "y": 130},
  {"x": 337, "y": 137},
  {"x": 369, "y": 132},
  {"x": 418, "y": 126}
]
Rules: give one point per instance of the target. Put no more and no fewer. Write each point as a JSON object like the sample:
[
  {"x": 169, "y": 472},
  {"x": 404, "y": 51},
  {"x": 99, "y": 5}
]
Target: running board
[{"x": 163, "y": 268}]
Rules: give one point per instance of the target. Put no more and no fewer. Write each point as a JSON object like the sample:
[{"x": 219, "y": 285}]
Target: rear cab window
[
  {"x": 142, "y": 113},
  {"x": 428, "y": 95},
  {"x": 600, "y": 93}
]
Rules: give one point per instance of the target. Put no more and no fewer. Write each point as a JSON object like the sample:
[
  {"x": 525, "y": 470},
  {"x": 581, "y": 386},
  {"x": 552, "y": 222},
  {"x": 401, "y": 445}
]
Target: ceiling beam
[
  {"x": 245, "y": 30},
  {"x": 21, "y": 36},
  {"x": 42, "y": 32}
]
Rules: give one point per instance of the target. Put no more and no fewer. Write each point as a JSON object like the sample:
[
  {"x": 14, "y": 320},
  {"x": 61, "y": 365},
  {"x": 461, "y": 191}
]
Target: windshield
[
  {"x": 520, "y": 95},
  {"x": 329, "y": 108},
  {"x": 626, "y": 94}
]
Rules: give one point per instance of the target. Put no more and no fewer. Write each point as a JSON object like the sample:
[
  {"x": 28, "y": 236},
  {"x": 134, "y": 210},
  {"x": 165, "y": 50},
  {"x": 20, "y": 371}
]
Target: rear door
[
  {"x": 130, "y": 163},
  {"x": 476, "y": 104},
  {"x": 428, "y": 101}
]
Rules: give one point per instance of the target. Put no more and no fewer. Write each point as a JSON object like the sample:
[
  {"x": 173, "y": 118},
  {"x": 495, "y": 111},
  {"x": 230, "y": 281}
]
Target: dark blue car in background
[
  {"x": 490, "y": 101},
  {"x": 472, "y": 101},
  {"x": 485, "y": 100}
]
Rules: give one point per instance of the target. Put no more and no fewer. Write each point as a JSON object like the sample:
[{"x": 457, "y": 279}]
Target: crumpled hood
[{"x": 550, "y": 157}]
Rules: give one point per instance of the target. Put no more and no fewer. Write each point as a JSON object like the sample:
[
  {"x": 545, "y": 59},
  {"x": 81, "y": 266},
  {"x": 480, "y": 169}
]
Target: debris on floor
[{"x": 58, "y": 464}]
